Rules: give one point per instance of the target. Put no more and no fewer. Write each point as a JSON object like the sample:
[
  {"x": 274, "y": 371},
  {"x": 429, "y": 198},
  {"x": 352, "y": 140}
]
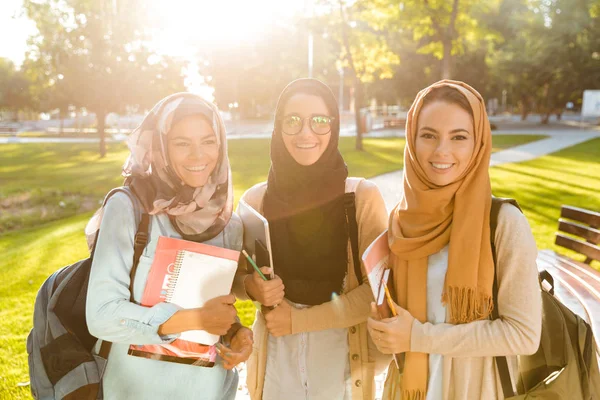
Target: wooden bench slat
[
  {"x": 566, "y": 294},
  {"x": 587, "y": 249},
  {"x": 588, "y": 217},
  {"x": 576, "y": 285},
  {"x": 590, "y": 234}
]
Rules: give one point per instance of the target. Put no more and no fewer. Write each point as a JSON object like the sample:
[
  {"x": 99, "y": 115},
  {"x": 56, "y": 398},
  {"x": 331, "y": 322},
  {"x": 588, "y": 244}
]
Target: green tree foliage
[
  {"x": 443, "y": 29},
  {"x": 551, "y": 54},
  {"x": 94, "y": 54},
  {"x": 15, "y": 89}
]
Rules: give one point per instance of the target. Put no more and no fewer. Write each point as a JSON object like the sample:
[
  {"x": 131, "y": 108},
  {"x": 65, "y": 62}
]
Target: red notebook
[{"x": 187, "y": 274}]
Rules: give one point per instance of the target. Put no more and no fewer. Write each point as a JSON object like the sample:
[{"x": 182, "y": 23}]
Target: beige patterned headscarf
[{"x": 199, "y": 213}]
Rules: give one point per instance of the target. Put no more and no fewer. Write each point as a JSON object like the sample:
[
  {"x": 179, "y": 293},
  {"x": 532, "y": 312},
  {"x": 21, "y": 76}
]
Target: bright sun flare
[
  {"x": 213, "y": 23},
  {"x": 184, "y": 28}
]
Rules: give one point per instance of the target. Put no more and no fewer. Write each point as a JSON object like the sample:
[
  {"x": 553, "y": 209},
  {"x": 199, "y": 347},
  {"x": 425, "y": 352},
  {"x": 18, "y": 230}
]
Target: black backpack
[
  {"x": 565, "y": 364},
  {"x": 59, "y": 346}
]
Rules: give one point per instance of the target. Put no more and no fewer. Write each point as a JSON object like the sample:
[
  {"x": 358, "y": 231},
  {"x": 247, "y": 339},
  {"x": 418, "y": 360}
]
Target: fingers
[
  {"x": 266, "y": 271},
  {"x": 273, "y": 291},
  {"x": 271, "y": 285},
  {"x": 272, "y": 324},
  {"x": 232, "y": 358},
  {"x": 273, "y": 299},
  {"x": 385, "y": 349},
  {"x": 222, "y": 331},
  {"x": 374, "y": 313},
  {"x": 227, "y": 299},
  {"x": 381, "y": 326},
  {"x": 242, "y": 337}
]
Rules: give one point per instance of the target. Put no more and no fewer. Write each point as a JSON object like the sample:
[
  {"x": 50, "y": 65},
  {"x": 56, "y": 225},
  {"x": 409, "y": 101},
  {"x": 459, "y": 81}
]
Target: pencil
[
  {"x": 264, "y": 278},
  {"x": 388, "y": 297}
]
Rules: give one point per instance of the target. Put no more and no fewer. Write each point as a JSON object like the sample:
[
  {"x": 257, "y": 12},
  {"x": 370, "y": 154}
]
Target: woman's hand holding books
[
  {"x": 267, "y": 292},
  {"x": 239, "y": 349}
]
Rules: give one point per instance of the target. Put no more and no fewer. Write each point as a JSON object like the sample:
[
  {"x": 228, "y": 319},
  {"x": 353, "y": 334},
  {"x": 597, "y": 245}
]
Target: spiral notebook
[
  {"x": 193, "y": 284},
  {"x": 187, "y": 274}
]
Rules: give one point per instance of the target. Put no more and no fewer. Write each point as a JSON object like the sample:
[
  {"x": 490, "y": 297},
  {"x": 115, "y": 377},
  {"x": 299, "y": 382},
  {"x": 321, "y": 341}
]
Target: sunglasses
[{"x": 320, "y": 124}]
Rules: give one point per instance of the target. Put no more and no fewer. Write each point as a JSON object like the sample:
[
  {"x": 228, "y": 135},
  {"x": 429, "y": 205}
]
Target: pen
[{"x": 264, "y": 278}]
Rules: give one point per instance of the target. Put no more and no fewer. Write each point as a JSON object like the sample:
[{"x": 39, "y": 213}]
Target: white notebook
[{"x": 199, "y": 278}]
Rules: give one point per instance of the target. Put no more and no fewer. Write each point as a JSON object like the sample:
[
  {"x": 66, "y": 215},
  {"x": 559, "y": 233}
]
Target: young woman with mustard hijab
[{"x": 442, "y": 259}]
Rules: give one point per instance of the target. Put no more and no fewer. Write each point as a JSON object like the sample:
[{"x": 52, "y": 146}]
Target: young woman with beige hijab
[{"x": 442, "y": 261}]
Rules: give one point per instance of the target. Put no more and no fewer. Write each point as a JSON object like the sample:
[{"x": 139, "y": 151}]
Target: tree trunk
[
  {"x": 545, "y": 118},
  {"x": 100, "y": 117},
  {"x": 357, "y": 117},
  {"x": 447, "y": 60},
  {"x": 357, "y": 83},
  {"x": 61, "y": 126},
  {"x": 524, "y": 108}
]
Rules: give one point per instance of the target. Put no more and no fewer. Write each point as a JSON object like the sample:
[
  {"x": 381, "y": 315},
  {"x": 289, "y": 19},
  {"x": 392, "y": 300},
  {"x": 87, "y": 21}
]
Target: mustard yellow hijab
[{"x": 428, "y": 218}]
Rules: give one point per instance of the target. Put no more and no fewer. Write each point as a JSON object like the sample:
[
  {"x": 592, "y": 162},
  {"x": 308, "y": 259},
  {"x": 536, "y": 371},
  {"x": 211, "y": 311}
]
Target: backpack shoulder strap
[
  {"x": 139, "y": 244},
  {"x": 350, "y": 210},
  {"x": 501, "y": 362},
  {"x": 141, "y": 235}
]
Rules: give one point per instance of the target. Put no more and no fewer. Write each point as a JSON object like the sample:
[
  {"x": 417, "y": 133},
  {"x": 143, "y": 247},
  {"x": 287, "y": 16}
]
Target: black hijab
[{"x": 305, "y": 209}]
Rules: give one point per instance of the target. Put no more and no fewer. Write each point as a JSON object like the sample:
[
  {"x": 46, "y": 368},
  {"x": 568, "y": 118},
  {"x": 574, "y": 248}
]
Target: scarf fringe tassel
[
  {"x": 467, "y": 304},
  {"x": 413, "y": 395}
]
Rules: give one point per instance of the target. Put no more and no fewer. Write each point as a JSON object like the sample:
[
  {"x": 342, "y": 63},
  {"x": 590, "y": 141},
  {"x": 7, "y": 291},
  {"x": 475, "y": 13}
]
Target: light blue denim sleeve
[
  {"x": 109, "y": 313},
  {"x": 234, "y": 233}
]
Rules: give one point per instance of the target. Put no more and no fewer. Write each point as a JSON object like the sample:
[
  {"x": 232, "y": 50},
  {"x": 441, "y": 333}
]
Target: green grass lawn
[
  {"x": 35, "y": 174},
  {"x": 543, "y": 185},
  {"x": 501, "y": 142}
]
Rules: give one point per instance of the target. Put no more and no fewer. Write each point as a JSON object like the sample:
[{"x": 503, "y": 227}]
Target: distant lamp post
[
  {"x": 340, "y": 70},
  {"x": 308, "y": 4},
  {"x": 310, "y": 54}
]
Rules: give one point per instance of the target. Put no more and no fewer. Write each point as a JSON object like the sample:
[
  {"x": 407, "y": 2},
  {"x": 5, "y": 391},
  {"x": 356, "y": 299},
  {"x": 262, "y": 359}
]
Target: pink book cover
[
  {"x": 160, "y": 276},
  {"x": 376, "y": 258}
]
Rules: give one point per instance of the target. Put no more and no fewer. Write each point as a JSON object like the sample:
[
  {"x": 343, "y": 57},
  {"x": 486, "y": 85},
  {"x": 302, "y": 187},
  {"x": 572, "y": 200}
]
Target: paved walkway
[{"x": 390, "y": 184}]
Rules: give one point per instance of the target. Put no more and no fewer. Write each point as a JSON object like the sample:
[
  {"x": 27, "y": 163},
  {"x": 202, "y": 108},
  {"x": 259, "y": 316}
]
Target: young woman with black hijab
[{"x": 313, "y": 344}]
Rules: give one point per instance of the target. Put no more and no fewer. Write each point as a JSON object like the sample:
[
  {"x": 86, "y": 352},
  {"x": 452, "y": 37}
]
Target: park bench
[
  {"x": 577, "y": 284},
  {"x": 8, "y": 129}
]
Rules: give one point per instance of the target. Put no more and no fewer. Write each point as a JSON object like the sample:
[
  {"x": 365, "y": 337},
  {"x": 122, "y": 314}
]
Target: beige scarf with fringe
[{"x": 427, "y": 218}]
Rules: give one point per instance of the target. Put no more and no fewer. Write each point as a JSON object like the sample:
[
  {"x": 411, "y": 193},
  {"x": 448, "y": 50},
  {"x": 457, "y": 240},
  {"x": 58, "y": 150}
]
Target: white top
[{"x": 437, "y": 266}]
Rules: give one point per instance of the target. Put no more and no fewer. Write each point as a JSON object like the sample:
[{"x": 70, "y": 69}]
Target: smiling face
[
  {"x": 193, "y": 150},
  {"x": 306, "y": 147},
  {"x": 445, "y": 141}
]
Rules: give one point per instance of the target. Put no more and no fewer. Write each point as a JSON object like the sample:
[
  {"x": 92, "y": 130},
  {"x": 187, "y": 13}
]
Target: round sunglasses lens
[
  {"x": 320, "y": 124},
  {"x": 292, "y": 125}
]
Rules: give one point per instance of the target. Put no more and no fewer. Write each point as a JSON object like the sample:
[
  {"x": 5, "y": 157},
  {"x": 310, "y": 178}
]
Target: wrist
[
  {"x": 232, "y": 332},
  {"x": 197, "y": 316},
  {"x": 183, "y": 320}
]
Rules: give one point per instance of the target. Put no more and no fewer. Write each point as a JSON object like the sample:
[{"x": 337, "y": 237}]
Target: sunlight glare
[{"x": 185, "y": 24}]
